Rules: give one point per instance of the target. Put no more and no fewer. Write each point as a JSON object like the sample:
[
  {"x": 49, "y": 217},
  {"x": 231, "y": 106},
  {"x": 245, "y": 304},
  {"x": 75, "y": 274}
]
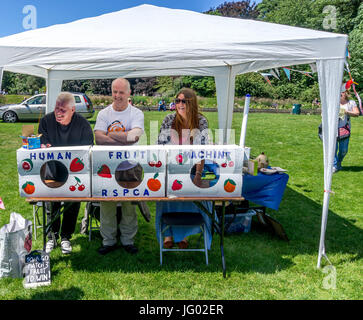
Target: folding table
[{"x": 218, "y": 226}]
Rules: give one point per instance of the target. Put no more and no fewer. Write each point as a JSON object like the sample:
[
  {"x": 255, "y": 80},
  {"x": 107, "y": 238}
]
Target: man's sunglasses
[{"x": 180, "y": 100}]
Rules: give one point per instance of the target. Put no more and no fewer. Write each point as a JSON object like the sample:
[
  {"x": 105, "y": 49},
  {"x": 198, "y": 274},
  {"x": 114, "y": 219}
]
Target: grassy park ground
[{"x": 259, "y": 266}]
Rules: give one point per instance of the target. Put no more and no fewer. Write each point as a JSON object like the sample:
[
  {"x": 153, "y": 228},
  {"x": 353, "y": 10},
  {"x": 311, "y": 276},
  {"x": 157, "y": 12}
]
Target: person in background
[
  {"x": 316, "y": 102},
  {"x": 172, "y": 106},
  {"x": 348, "y": 108},
  {"x": 63, "y": 128},
  {"x": 162, "y": 106},
  {"x": 119, "y": 124},
  {"x": 173, "y": 131}
]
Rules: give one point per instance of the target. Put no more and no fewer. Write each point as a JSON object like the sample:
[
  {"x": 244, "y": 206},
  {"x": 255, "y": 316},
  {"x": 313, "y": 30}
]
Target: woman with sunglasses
[{"x": 179, "y": 128}]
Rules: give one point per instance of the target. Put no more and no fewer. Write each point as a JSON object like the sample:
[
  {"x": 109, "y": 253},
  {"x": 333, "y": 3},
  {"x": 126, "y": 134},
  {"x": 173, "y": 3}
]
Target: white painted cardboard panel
[
  {"x": 106, "y": 159},
  {"x": 76, "y": 162},
  {"x": 225, "y": 161}
]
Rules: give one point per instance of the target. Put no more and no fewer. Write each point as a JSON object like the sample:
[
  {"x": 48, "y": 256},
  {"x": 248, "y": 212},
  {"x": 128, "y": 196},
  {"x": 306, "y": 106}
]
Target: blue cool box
[
  {"x": 240, "y": 223},
  {"x": 31, "y": 142}
]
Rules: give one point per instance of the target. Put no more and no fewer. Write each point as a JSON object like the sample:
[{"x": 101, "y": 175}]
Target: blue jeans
[{"x": 341, "y": 150}]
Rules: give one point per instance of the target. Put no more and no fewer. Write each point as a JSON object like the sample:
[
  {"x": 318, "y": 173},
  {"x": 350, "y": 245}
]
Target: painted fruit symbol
[
  {"x": 181, "y": 158},
  {"x": 229, "y": 185},
  {"x": 104, "y": 171},
  {"x": 27, "y": 165},
  {"x": 177, "y": 185},
  {"x": 81, "y": 186},
  {"x": 156, "y": 163},
  {"x": 154, "y": 184},
  {"x": 76, "y": 165},
  {"x": 28, "y": 187},
  {"x": 228, "y": 162}
]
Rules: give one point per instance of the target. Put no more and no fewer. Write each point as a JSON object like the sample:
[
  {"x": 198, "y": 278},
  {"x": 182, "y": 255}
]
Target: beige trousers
[{"x": 108, "y": 227}]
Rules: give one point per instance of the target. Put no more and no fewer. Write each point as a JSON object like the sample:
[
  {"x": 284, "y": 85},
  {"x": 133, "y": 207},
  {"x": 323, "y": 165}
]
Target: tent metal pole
[
  {"x": 1, "y": 77},
  {"x": 244, "y": 121}
]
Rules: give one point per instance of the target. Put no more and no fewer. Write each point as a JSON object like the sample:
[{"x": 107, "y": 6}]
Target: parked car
[{"x": 34, "y": 108}]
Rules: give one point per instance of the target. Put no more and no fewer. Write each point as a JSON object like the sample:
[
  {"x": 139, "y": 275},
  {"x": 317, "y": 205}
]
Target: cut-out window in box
[
  {"x": 129, "y": 174},
  {"x": 208, "y": 174},
  {"x": 54, "y": 174}
]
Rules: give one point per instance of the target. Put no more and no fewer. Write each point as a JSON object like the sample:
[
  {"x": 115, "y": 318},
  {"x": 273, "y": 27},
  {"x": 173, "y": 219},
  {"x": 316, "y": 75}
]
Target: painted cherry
[
  {"x": 72, "y": 188},
  {"x": 158, "y": 164},
  {"x": 231, "y": 164},
  {"x": 152, "y": 164},
  {"x": 224, "y": 165},
  {"x": 81, "y": 187}
]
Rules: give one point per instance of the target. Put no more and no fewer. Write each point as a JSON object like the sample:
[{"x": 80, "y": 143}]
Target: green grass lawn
[{"x": 259, "y": 266}]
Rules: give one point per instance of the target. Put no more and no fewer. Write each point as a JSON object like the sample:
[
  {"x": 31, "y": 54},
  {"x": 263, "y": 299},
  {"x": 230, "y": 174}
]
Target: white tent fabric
[{"x": 153, "y": 41}]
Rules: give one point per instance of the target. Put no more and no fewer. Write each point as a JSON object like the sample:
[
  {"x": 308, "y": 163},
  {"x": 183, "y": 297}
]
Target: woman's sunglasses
[{"x": 183, "y": 101}]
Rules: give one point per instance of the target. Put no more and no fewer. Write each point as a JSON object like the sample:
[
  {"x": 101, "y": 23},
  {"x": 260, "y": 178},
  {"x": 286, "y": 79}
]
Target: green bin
[{"x": 296, "y": 109}]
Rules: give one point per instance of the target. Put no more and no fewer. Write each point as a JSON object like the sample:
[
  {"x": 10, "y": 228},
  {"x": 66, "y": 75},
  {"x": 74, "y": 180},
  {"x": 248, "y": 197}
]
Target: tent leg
[{"x": 1, "y": 77}]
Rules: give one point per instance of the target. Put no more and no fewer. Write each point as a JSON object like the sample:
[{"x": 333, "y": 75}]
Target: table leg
[
  {"x": 213, "y": 217},
  {"x": 222, "y": 239},
  {"x": 44, "y": 226}
]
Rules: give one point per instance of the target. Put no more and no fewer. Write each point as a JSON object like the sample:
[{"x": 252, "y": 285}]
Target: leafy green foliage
[
  {"x": 253, "y": 84},
  {"x": 16, "y": 83},
  {"x": 236, "y": 9},
  {"x": 204, "y": 86},
  {"x": 318, "y": 15},
  {"x": 356, "y": 48}
]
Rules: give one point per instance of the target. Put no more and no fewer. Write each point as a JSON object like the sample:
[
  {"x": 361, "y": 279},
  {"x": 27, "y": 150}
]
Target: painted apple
[{"x": 27, "y": 164}]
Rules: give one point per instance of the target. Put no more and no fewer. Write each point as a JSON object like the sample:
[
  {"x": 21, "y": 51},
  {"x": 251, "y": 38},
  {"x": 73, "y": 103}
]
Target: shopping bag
[{"x": 15, "y": 243}]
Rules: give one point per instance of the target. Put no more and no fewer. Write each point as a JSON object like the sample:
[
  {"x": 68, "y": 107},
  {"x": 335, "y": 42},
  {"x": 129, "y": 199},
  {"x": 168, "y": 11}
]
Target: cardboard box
[
  {"x": 29, "y": 139},
  {"x": 54, "y": 172},
  {"x": 128, "y": 171},
  {"x": 221, "y": 175}
]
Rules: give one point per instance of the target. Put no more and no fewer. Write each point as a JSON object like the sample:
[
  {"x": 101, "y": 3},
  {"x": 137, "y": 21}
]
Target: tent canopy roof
[{"x": 157, "y": 38}]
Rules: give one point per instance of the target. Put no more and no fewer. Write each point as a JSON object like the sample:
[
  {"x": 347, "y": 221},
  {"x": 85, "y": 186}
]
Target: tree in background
[
  {"x": 236, "y": 9},
  {"x": 340, "y": 16},
  {"x": 18, "y": 83},
  {"x": 143, "y": 86},
  {"x": 356, "y": 49}
]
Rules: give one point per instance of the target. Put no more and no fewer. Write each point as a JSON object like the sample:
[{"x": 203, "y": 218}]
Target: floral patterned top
[{"x": 169, "y": 136}]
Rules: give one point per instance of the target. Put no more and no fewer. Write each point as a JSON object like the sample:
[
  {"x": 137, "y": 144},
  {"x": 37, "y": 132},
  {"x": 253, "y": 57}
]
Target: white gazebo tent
[{"x": 149, "y": 41}]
